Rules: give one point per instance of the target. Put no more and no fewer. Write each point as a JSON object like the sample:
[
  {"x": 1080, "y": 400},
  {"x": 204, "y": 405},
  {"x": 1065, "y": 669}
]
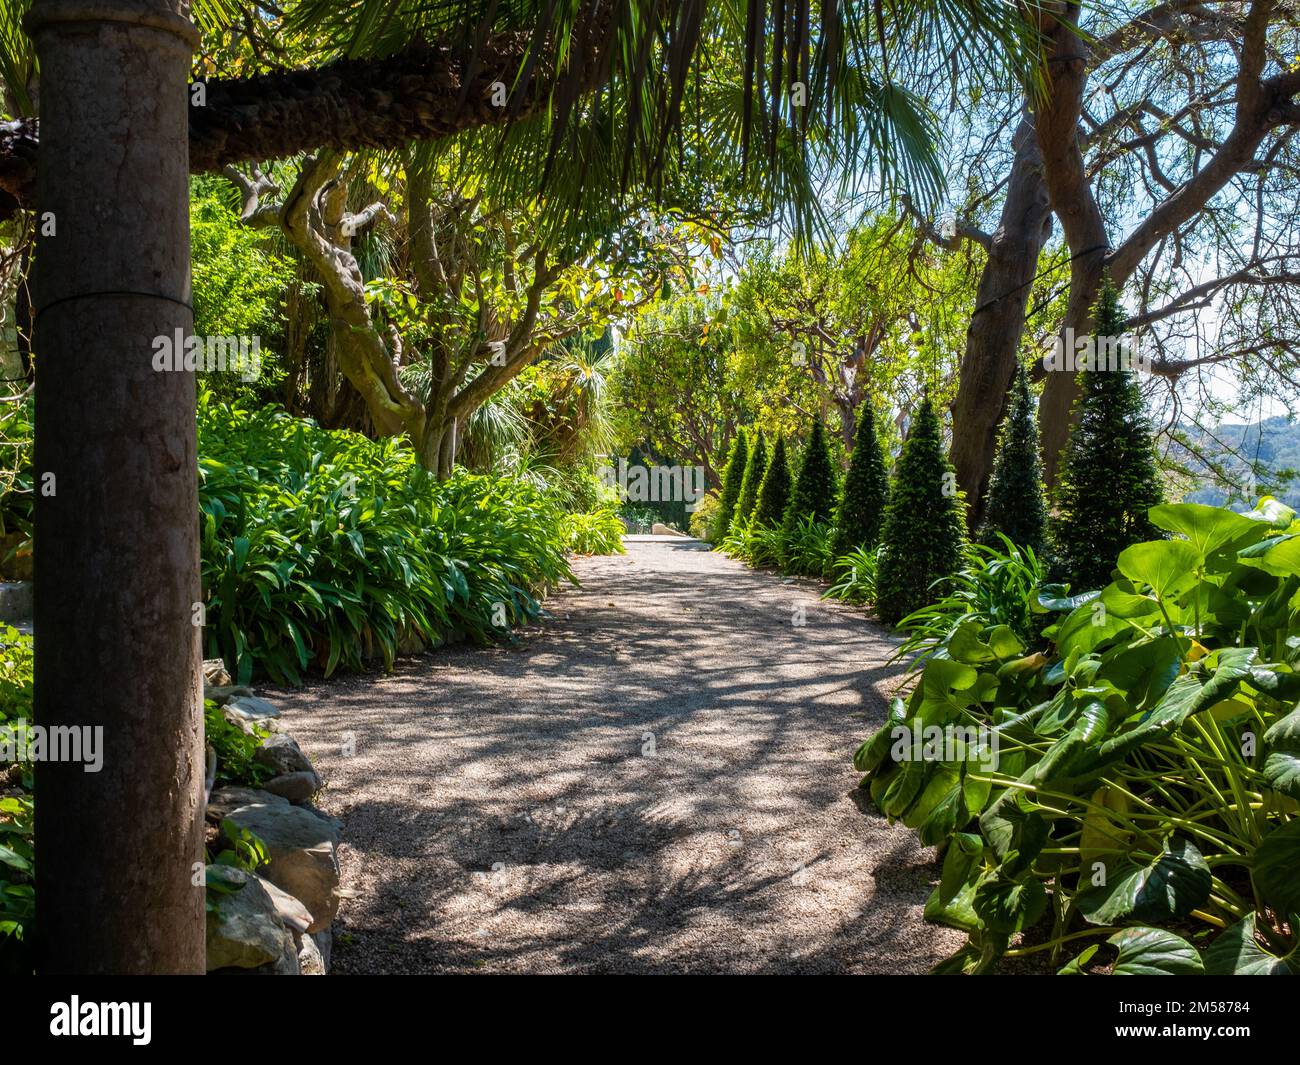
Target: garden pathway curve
[{"x": 658, "y": 780}]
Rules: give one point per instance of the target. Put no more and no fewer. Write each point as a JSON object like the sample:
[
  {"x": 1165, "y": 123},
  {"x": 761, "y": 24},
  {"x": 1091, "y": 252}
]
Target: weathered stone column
[{"x": 116, "y": 508}]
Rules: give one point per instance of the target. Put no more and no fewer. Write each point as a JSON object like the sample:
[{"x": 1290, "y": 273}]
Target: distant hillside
[{"x": 1275, "y": 440}]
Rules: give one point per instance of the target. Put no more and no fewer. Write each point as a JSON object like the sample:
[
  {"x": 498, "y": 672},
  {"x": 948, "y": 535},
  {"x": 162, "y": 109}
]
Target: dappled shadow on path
[{"x": 658, "y": 781}]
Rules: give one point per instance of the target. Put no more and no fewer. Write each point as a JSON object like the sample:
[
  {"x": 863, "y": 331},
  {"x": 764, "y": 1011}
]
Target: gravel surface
[{"x": 658, "y": 780}]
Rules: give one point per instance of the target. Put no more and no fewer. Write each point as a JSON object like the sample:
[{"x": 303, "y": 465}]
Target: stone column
[{"x": 116, "y": 508}]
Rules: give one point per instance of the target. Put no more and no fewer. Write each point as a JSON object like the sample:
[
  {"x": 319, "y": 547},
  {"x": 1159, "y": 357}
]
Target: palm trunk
[{"x": 117, "y": 646}]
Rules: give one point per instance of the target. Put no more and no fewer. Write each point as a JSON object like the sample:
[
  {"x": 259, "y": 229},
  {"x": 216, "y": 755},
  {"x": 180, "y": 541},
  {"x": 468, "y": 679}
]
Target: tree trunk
[
  {"x": 117, "y": 647},
  {"x": 1081, "y": 220},
  {"x": 993, "y": 336}
]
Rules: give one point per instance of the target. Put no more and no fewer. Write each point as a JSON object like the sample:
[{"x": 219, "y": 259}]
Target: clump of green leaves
[
  {"x": 234, "y": 747},
  {"x": 854, "y": 576},
  {"x": 327, "y": 549},
  {"x": 596, "y": 533}
]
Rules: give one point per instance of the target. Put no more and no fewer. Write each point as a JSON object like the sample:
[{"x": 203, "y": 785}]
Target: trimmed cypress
[
  {"x": 866, "y": 489},
  {"x": 1015, "y": 506},
  {"x": 755, "y": 468},
  {"x": 774, "y": 494},
  {"x": 813, "y": 495},
  {"x": 925, "y": 523},
  {"x": 1108, "y": 478},
  {"x": 732, "y": 477}
]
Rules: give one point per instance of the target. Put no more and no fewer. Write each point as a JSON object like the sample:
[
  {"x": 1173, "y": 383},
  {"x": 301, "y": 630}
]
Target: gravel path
[{"x": 657, "y": 781}]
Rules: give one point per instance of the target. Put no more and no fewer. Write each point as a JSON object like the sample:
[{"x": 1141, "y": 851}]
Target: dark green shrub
[
  {"x": 1016, "y": 508},
  {"x": 755, "y": 469},
  {"x": 774, "y": 494},
  {"x": 866, "y": 490},
  {"x": 925, "y": 524},
  {"x": 1108, "y": 478},
  {"x": 732, "y": 479},
  {"x": 813, "y": 496}
]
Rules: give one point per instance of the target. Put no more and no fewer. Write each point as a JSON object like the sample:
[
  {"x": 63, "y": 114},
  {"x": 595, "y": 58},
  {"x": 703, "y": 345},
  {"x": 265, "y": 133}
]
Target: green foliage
[
  {"x": 17, "y": 854},
  {"x": 1016, "y": 508},
  {"x": 234, "y": 748},
  {"x": 237, "y": 283},
  {"x": 1142, "y": 772},
  {"x": 596, "y": 533},
  {"x": 732, "y": 476},
  {"x": 996, "y": 586},
  {"x": 755, "y": 470},
  {"x": 866, "y": 489},
  {"x": 1108, "y": 476},
  {"x": 327, "y": 549},
  {"x": 925, "y": 524},
  {"x": 806, "y": 548},
  {"x": 854, "y": 576},
  {"x": 17, "y": 879},
  {"x": 704, "y": 522},
  {"x": 814, "y": 487},
  {"x": 16, "y": 484},
  {"x": 15, "y": 674},
  {"x": 244, "y": 848},
  {"x": 774, "y": 493}
]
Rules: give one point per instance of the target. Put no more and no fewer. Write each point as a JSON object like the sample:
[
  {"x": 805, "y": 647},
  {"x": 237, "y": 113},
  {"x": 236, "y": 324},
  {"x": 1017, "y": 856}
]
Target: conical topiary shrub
[
  {"x": 813, "y": 495},
  {"x": 1108, "y": 478},
  {"x": 1015, "y": 504},
  {"x": 866, "y": 490},
  {"x": 774, "y": 493},
  {"x": 925, "y": 524},
  {"x": 755, "y": 468},
  {"x": 732, "y": 477}
]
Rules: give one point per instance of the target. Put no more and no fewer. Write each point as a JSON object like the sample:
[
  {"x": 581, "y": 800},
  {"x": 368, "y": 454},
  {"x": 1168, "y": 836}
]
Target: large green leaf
[
  {"x": 1276, "y": 868},
  {"x": 1154, "y": 952},
  {"x": 1006, "y": 905},
  {"x": 1282, "y": 557},
  {"x": 1171, "y": 886},
  {"x": 1281, "y": 750},
  {"x": 1237, "y": 953},
  {"x": 939, "y": 810},
  {"x": 1168, "y": 566},
  {"x": 1208, "y": 529},
  {"x": 1016, "y": 835},
  {"x": 1271, "y": 511}
]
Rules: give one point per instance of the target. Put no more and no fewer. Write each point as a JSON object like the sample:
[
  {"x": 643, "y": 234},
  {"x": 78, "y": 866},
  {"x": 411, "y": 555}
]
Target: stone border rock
[{"x": 276, "y": 921}]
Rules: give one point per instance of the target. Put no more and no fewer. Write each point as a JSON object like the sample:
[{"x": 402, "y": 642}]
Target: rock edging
[{"x": 275, "y": 921}]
